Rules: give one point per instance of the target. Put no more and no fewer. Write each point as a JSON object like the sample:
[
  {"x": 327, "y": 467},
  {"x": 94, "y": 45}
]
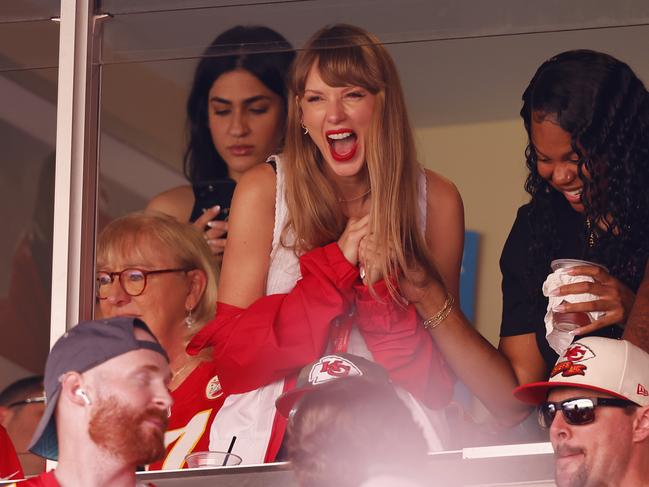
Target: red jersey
[
  {"x": 10, "y": 468},
  {"x": 46, "y": 479},
  {"x": 196, "y": 403}
]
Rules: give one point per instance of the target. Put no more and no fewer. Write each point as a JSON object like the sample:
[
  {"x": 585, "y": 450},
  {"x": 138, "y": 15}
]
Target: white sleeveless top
[
  {"x": 249, "y": 416},
  {"x": 284, "y": 270}
]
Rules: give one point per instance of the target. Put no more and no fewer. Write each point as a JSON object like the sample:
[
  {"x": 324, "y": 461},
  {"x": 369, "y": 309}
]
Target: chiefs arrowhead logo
[
  {"x": 578, "y": 353},
  {"x": 213, "y": 389},
  {"x": 332, "y": 367},
  {"x": 571, "y": 366}
]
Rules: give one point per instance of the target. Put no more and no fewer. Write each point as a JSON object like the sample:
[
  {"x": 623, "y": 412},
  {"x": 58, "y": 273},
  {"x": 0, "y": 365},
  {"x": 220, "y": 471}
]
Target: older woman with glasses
[{"x": 151, "y": 266}]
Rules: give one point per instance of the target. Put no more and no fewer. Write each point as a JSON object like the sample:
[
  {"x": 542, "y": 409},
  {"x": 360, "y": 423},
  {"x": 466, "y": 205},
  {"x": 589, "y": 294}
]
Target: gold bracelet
[{"x": 435, "y": 320}]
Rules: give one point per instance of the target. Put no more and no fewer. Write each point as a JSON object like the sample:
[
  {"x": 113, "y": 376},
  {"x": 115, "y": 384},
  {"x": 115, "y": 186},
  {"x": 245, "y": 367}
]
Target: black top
[
  {"x": 197, "y": 210},
  {"x": 524, "y": 305}
]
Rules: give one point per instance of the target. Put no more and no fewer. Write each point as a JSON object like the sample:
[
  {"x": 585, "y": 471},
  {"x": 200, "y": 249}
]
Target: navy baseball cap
[{"x": 83, "y": 347}]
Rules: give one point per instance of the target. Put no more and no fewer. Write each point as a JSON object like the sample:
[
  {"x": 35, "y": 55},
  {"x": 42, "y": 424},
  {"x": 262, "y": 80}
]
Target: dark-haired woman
[
  {"x": 236, "y": 114},
  {"x": 587, "y": 119}
]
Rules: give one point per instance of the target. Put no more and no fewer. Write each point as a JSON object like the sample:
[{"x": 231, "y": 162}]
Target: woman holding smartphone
[{"x": 237, "y": 115}]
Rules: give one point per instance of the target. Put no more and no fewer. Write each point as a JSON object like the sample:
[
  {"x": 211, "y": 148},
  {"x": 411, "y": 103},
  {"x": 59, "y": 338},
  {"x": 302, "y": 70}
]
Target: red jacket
[
  {"x": 279, "y": 334},
  {"x": 10, "y": 468}
]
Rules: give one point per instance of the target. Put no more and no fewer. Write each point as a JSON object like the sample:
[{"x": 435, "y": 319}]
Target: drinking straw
[
  {"x": 227, "y": 455},
  {"x": 8, "y": 477}
]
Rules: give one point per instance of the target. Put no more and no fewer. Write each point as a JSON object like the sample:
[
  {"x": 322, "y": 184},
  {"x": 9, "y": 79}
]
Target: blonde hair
[
  {"x": 130, "y": 234},
  {"x": 350, "y": 56}
]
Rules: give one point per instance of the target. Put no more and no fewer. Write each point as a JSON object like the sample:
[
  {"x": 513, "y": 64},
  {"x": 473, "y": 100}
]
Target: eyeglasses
[
  {"x": 132, "y": 280},
  {"x": 577, "y": 411},
  {"x": 29, "y": 400}
]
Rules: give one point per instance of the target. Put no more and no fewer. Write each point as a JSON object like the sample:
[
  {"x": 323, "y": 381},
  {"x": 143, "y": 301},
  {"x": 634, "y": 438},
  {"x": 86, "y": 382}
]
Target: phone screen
[{"x": 218, "y": 192}]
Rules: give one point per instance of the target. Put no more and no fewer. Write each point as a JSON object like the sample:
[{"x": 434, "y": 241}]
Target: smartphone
[{"x": 217, "y": 192}]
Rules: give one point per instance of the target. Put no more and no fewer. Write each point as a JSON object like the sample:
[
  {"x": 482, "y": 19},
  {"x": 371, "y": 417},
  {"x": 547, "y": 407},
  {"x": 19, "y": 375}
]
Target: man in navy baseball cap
[{"x": 107, "y": 402}]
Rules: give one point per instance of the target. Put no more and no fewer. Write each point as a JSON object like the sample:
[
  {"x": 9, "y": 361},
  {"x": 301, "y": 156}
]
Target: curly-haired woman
[{"x": 587, "y": 119}]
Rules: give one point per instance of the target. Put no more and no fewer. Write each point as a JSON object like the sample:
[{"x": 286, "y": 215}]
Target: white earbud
[{"x": 82, "y": 394}]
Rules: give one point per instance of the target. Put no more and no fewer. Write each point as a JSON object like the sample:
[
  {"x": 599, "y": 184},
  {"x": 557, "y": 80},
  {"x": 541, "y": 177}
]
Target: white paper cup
[
  {"x": 209, "y": 459},
  {"x": 571, "y": 321}
]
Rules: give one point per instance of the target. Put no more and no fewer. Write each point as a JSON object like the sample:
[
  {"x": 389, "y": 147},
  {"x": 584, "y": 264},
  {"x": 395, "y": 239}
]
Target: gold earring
[{"x": 306, "y": 130}]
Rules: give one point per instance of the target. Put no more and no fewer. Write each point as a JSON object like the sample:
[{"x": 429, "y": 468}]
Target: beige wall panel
[{"x": 485, "y": 161}]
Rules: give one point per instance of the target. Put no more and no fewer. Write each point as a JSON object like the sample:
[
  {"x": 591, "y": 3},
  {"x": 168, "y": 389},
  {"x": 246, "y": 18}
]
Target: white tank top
[{"x": 284, "y": 270}]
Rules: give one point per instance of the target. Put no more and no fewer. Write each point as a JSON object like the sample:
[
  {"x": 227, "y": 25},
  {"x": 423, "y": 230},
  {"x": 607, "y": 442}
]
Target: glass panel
[
  {"x": 28, "y": 87},
  {"x": 27, "y": 162},
  {"x": 463, "y": 78},
  {"x": 27, "y": 10},
  {"x": 29, "y": 45},
  {"x": 148, "y": 6},
  {"x": 158, "y": 33}
]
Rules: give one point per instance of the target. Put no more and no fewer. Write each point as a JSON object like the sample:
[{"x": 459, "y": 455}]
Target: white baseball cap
[{"x": 615, "y": 367}]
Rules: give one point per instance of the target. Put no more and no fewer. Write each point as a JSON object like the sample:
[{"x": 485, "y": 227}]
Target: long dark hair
[
  {"x": 604, "y": 107},
  {"x": 257, "y": 49}
]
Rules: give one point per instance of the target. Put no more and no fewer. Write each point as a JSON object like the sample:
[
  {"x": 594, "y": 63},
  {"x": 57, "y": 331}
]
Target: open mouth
[
  {"x": 573, "y": 196},
  {"x": 342, "y": 144}
]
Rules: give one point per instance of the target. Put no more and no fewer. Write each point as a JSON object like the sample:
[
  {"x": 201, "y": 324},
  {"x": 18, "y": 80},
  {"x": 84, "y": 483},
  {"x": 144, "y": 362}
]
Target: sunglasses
[
  {"x": 577, "y": 411},
  {"x": 29, "y": 400}
]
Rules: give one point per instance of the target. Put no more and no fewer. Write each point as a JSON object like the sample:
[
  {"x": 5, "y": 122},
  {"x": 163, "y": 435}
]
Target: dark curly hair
[
  {"x": 259, "y": 50},
  {"x": 604, "y": 107}
]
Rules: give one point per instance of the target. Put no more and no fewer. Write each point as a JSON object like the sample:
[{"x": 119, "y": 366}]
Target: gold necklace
[
  {"x": 343, "y": 200},
  {"x": 177, "y": 374},
  {"x": 591, "y": 233}
]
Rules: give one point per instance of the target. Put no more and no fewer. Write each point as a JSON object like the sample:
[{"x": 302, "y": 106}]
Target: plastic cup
[
  {"x": 210, "y": 459},
  {"x": 571, "y": 321},
  {"x": 567, "y": 263}
]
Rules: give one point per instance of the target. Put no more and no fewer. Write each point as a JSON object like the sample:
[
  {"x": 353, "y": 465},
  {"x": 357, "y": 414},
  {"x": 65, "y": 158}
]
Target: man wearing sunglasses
[
  {"x": 596, "y": 406},
  {"x": 21, "y": 406}
]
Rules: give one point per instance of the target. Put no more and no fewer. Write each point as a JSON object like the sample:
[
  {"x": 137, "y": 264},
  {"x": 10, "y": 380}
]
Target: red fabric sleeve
[
  {"x": 399, "y": 343},
  {"x": 280, "y": 333},
  {"x": 9, "y": 465}
]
